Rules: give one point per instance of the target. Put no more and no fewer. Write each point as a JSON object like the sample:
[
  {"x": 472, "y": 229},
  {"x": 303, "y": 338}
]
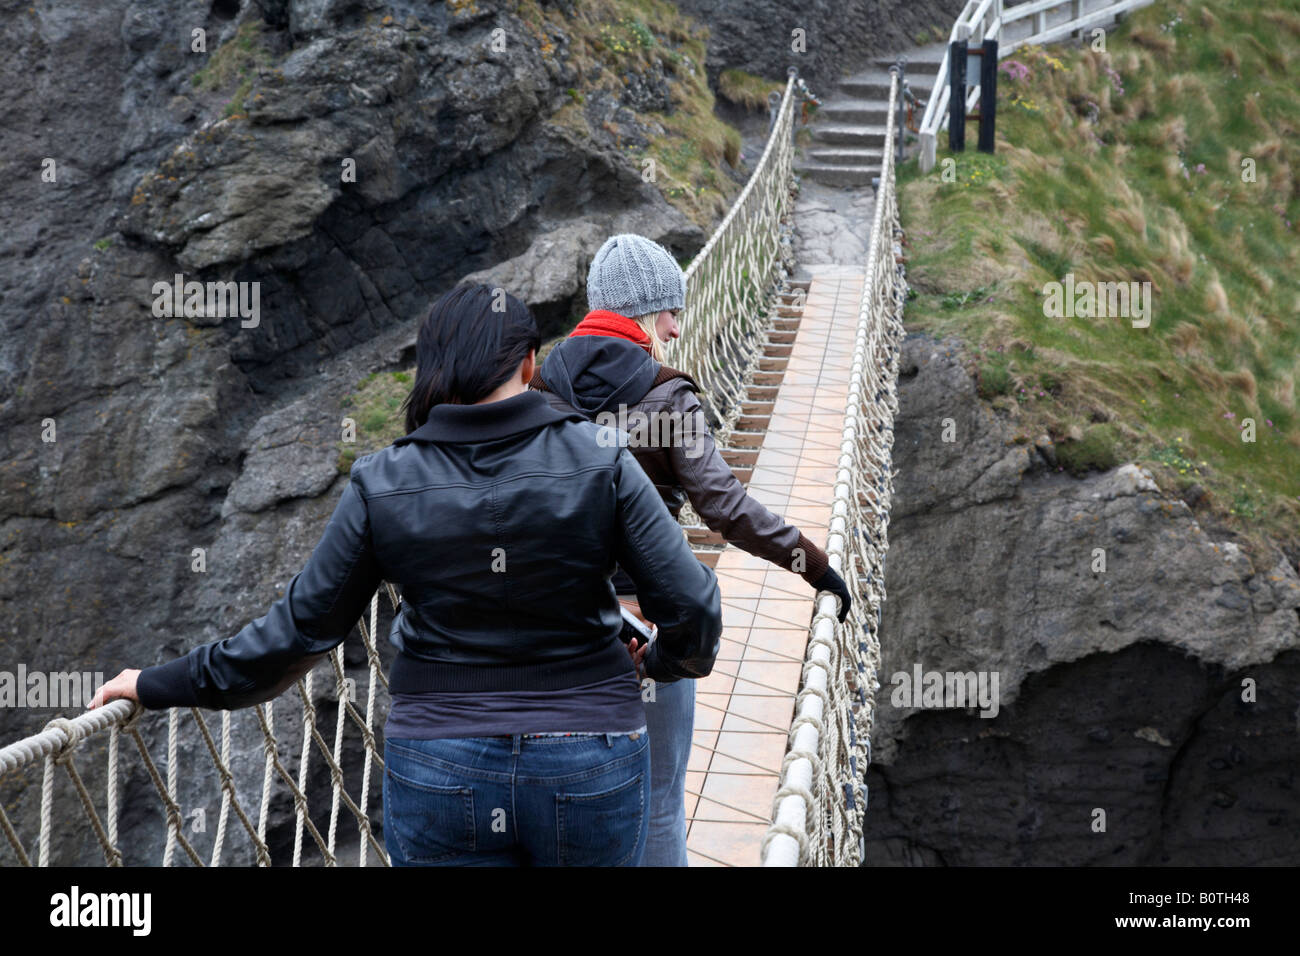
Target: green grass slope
[{"x": 1169, "y": 158}]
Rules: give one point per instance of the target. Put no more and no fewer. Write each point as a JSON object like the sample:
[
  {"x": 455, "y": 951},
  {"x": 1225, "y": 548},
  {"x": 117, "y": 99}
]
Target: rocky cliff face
[
  {"x": 758, "y": 36},
  {"x": 1146, "y": 668},
  {"x": 204, "y": 432}
]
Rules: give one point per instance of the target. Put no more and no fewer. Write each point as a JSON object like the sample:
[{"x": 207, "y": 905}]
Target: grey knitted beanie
[{"x": 632, "y": 275}]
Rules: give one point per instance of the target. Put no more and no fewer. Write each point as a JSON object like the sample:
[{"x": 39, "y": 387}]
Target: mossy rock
[{"x": 1097, "y": 450}]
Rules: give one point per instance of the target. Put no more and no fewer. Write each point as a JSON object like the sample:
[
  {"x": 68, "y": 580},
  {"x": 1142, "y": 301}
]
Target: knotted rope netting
[
  {"x": 58, "y": 744},
  {"x": 731, "y": 283}
]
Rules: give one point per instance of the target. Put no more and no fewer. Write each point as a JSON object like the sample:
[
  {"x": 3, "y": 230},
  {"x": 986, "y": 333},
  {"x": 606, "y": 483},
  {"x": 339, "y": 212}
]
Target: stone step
[
  {"x": 925, "y": 59},
  {"x": 756, "y": 423},
  {"x": 748, "y": 439},
  {"x": 867, "y": 113},
  {"x": 874, "y": 85},
  {"x": 744, "y": 457},
  {"x": 699, "y": 535},
  {"x": 829, "y": 175},
  {"x": 756, "y": 408},
  {"x": 804, "y": 284},
  {"x": 850, "y": 134},
  {"x": 846, "y": 157}
]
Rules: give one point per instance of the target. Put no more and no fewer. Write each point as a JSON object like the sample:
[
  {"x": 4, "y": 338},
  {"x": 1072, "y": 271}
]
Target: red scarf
[{"x": 604, "y": 322}]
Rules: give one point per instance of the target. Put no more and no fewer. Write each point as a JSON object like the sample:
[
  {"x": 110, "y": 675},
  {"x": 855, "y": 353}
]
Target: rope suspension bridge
[{"x": 802, "y": 380}]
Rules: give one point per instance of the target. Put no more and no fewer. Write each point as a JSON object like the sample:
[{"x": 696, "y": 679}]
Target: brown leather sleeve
[{"x": 723, "y": 504}]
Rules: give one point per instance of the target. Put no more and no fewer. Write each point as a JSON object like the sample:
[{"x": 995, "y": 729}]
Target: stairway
[
  {"x": 849, "y": 129},
  {"x": 742, "y": 447}
]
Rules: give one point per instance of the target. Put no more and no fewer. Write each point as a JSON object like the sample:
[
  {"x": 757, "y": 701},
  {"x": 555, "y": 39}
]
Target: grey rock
[
  {"x": 990, "y": 568},
  {"x": 176, "y": 434},
  {"x": 839, "y": 35},
  {"x": 290, "y": 456}
]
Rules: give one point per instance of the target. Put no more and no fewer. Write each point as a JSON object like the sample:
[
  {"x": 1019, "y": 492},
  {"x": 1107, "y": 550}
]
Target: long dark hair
[{"x": 472, "y": 341}]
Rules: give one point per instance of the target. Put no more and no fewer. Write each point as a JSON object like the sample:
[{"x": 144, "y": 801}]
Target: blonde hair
[{"x": 647, "y": 323}]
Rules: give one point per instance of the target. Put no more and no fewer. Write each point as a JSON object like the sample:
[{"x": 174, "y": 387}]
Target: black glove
[{"x": 831, "y": 581}]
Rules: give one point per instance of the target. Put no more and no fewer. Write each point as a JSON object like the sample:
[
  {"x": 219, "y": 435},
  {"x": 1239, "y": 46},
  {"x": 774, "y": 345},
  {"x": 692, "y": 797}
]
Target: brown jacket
[{"x": 689, "y": 466}]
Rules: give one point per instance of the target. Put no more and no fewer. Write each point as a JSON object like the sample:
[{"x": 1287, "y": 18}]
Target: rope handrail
[
  {"x": 58, "y": 742},
  {"x": 727, "y": 292},
  {"x": 820, "y": 803},
  {"x": 731, "y": 281},
  {"x": 984, "y": 20}
]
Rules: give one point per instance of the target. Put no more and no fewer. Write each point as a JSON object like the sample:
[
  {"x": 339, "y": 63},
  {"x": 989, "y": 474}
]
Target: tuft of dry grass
[
  {"x": 1185, "y": 340},
  {"x": 1153, "y": 40},
  {"x": 1173, "y": 133},
  {"x": 746, "y": 90},
  {"x": 1243, "y": 382},
  {"x": 1283, "y": 19},
  {"x": 1283, "y": 390},
  {"x": 1216, "y": 300},
  {"x": 1104, "y": 245}
]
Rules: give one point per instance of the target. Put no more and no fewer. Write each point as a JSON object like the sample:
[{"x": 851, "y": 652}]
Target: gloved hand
[{"x": 831, "y": 581}]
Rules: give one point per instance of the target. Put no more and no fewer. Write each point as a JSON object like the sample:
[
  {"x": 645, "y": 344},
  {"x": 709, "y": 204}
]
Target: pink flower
[{"x": 1014, "y": 69}]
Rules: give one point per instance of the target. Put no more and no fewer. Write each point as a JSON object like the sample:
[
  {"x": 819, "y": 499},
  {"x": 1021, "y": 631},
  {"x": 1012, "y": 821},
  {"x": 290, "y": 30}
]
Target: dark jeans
[
  {"x": 670, "y": 719},
  {"x": 517, "y": 801}
]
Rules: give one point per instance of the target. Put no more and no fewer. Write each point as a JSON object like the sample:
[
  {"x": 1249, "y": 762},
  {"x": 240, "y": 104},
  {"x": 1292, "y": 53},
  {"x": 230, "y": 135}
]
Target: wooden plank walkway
[{"x": 744, "y": 708}]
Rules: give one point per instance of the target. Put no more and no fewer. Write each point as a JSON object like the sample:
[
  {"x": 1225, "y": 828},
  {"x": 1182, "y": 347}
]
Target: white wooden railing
[{"x": 986, "y": 20}]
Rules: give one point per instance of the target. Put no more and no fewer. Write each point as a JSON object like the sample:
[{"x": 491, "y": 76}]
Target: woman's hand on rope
[
  {"x": 123, "y": 685},
  {"x": 831, "y": 581}
]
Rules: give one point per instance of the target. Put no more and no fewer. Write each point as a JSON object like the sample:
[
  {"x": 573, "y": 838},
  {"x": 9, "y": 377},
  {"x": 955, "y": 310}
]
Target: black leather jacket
[{"x": 502, "y": 524}]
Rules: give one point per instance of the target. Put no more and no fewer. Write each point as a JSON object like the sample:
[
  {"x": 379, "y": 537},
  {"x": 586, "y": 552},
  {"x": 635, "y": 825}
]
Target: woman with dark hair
[
  {"x": 517, "y": 733},
  {"x": 610, "y": 368}
]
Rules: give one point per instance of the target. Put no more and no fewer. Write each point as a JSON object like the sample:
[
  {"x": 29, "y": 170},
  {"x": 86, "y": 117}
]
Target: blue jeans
[
  {"x": 516, "y": 801},
  {"x": 670, "y": 719}
]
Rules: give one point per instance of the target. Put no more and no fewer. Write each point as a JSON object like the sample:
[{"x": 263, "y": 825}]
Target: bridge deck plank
[{"x": 743, "y": 710}]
